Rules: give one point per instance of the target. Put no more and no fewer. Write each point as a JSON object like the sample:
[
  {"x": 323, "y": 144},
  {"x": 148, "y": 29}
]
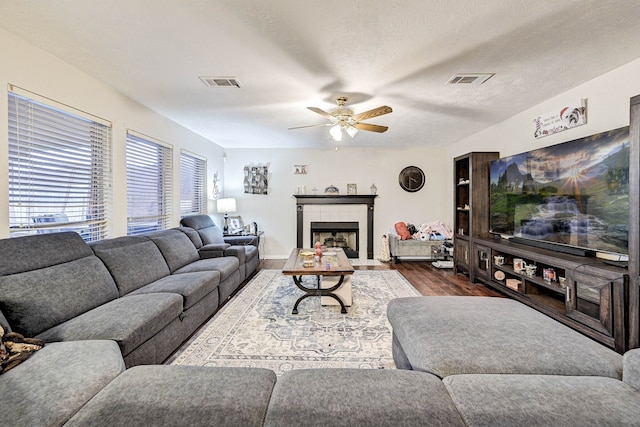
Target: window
[
  {"x": 193, "y": 189},
  {"x": 149, "y": 180},
  {"x": 59, "y": 168}
]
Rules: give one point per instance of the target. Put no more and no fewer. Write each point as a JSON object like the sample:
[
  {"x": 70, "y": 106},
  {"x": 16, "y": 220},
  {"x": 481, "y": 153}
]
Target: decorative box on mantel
[{"x": 334, "y": 199}]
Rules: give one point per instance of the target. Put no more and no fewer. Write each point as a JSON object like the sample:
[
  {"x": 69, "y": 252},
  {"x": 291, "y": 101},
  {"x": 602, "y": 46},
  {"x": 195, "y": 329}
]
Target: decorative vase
[{"x": 374, "y": 189}]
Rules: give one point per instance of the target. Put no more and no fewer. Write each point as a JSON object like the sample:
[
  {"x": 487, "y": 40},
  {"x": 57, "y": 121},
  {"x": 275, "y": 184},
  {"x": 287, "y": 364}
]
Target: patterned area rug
[{"x": 256, "y": 328}]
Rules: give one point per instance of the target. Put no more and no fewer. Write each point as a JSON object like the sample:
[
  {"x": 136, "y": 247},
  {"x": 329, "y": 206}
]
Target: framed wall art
[
  {"x": 300, "y": 169},
  {"x": 255, "y": 179}
]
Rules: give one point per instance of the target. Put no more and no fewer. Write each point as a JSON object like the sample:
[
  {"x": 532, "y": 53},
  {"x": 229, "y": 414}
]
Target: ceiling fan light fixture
[
  {"x": 352, "y": 131},
  {"x": 344, "y": 119},
  {"x": 336, "y": 133}
]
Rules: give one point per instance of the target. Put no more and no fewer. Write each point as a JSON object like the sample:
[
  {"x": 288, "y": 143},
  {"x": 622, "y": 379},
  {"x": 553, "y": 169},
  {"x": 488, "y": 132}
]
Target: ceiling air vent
[
  {"x": 220, "y": 81},
  {"x": 470, "y": 79}
]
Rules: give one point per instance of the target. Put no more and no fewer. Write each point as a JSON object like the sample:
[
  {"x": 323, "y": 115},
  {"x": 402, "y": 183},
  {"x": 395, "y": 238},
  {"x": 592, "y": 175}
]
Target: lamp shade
[{"x": 226, "y": 205}]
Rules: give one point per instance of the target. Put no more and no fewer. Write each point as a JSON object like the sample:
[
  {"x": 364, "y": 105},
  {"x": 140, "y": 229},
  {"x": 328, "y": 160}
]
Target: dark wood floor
[{"x": 426, "y": 279}]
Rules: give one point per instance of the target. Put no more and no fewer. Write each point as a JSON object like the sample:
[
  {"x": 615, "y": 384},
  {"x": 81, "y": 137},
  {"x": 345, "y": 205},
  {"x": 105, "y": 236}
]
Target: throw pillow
[
  {"x": 14, "y": 349},
  {"x": 403, "y": 231}
]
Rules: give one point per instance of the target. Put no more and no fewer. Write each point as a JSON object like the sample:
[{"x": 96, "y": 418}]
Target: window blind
[
  {"x": 59, "y": 170},
  {"x": 149, "y": 181},
  {"x": 193, "y": 187}
]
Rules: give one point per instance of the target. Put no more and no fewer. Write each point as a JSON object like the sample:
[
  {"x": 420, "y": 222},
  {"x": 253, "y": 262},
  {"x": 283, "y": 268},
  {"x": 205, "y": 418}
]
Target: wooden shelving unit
[{"x": 471, "y": 205}]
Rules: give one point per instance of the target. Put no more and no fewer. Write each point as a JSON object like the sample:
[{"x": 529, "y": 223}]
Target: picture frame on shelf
[
  {"x": 352, "y": 189},
  {"x": 235, "y": 224}
]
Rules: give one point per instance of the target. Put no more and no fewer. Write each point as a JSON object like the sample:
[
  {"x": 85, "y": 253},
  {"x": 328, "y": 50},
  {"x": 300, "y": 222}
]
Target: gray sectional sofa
[
  {"x": 112, "y": 311},
  {"x": 147, "y": 293}
]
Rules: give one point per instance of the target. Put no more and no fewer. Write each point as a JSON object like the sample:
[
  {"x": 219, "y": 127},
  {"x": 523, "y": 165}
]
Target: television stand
[
  {"x": 620, "y": 264},
  {"x": 585, "y": 294},
  {"x": 553, "y": 247}
]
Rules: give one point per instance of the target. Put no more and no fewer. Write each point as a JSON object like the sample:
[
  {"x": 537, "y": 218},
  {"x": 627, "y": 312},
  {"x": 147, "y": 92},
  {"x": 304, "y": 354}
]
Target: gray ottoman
[
  {"x": 360, "y": 397},
  {"x": 484, "y": 335},
  {"x": 181, "y": 396}
]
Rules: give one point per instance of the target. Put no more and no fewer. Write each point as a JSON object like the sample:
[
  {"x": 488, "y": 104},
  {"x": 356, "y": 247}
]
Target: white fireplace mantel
[{"x": 367, "y": 200}]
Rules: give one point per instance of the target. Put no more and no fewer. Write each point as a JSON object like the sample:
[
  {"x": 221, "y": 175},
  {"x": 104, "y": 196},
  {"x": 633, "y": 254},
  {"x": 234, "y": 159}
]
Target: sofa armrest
[
  {"x": 393, "y": 243},
  {"x": 213, "y": 250},
  {"x": 237, "y": 251},
  {"x": 631, "y": 368}
]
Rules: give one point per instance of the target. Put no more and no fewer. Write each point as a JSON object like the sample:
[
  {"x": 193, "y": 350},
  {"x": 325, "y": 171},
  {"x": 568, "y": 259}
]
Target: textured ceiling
[{"x": 290, "y": 54}]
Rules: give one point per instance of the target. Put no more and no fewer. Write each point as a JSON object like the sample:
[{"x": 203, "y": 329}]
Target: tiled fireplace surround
[{"x": 336, "y": 208}]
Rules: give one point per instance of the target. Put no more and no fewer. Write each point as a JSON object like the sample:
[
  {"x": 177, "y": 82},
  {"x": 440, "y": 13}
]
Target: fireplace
[
  {"x": 337, "y": 234},
  {"x": 343, "y": 203}
]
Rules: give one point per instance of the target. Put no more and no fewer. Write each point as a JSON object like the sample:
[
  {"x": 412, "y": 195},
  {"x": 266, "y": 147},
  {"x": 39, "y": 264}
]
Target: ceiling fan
[{"x": 344, "y": 119}]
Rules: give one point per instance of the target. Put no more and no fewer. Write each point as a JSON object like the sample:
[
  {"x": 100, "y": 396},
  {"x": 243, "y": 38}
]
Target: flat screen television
[{"x": 573, "y": 195}]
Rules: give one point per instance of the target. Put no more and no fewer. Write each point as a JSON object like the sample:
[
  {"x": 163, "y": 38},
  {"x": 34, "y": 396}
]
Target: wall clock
[{"x": 411, "y": 179}]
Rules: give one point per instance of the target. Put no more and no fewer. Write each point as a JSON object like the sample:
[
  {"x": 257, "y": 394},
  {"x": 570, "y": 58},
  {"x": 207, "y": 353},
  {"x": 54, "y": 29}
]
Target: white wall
[
  {"x": 275, "y": 212},
  {"x": 30, "y": 68},
  {"x": 608, "y": 108}
]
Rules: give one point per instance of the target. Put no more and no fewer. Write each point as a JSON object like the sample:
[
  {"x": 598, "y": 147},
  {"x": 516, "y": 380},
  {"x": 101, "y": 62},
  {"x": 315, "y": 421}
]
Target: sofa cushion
[
  {"x": 57, "y": 381},
  {"x": 192, "y": 286},
  {"x": 192, "y": 235},
  {"x": 130, "y": 321},
  {"x": 204, "y": 225},
  {"x": 544, "y": 400},
  {"x": 402, "y": 230},
  {"x": 211, "y": 235},
  {"x": 28, "y": 253},
  {"x": 466, "y": 335},
  {"x": 176, "y": 247},
  {"x": 133, "y": 261},
  {"x": 34, "y": 301},
  {"x": 225, "y": 265},
  {"x": 181, "y": 396},
  {"x": 360, "y": 397}
]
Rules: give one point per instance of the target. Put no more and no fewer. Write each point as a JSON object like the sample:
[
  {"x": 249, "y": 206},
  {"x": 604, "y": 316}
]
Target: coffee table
[{"x": 339, "y": 265}]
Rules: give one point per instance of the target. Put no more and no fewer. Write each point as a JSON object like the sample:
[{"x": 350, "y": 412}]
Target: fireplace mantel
[{"x": 330, "y": 199}]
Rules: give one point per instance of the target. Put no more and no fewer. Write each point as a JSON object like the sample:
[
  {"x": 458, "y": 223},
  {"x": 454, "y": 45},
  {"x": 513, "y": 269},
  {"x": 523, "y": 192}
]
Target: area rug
[{"x": 256, "y": 327}]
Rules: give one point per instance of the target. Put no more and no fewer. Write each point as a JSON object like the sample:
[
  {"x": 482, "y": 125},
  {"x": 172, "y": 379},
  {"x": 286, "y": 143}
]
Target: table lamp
[{"x": 226, "y": 205}]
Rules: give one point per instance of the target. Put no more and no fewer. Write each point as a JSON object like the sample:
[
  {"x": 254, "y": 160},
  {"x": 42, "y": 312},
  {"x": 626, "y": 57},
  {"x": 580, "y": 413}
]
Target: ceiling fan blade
[
  {"x": 370, "y": 127},
  {"x": 322, "y": 113},
  {"x": 311, "y": 126},
  {"x": 373, "y": 113}
]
